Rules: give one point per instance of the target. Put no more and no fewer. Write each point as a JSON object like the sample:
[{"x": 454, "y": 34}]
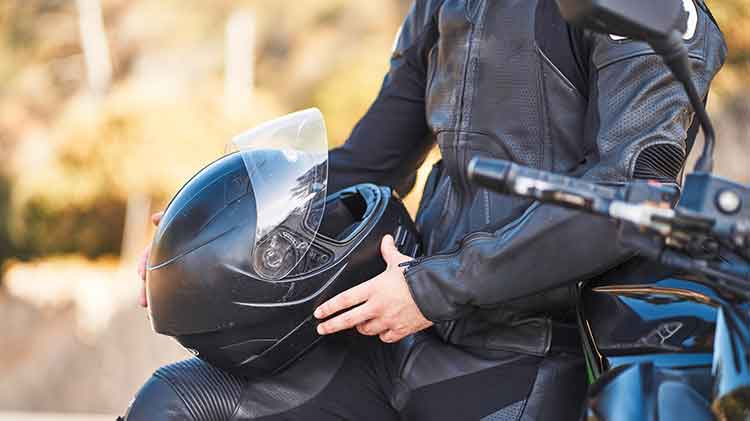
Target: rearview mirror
[
  {"x": 658, "y": 22},
  {"x": 637, "y": 19}
]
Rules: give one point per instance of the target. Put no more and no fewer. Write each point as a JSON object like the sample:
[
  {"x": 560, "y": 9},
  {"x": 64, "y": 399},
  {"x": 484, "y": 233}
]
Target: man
[{"x": 505, "y": 79}]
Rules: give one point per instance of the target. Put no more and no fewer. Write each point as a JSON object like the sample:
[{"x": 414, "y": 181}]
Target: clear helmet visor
[{"x": 287, "y": 162}]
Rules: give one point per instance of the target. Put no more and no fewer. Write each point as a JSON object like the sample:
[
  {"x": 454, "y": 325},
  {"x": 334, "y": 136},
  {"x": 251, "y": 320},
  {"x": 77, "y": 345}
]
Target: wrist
[{"x": 429, "y": 295}]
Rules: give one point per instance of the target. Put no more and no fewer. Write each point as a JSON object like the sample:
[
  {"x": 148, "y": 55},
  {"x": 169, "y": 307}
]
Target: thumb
[{"x": 390, "y": 253}]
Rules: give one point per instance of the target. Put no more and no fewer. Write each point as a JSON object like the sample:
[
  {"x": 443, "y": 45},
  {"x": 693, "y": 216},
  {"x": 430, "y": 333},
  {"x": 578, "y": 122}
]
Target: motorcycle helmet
[{"x": 252, "y": 244}]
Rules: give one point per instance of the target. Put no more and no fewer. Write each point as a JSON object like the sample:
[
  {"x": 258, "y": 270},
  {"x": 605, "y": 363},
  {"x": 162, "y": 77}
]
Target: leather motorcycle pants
[{"x": 354, "y": 377}]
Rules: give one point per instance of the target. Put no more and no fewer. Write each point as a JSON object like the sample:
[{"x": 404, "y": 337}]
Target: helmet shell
[{"x": 203, "y": 291}]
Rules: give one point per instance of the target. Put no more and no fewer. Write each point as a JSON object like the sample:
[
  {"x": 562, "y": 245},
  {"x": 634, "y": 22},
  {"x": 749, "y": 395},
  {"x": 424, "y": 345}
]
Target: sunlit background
[{"x": 108, "y": 106}]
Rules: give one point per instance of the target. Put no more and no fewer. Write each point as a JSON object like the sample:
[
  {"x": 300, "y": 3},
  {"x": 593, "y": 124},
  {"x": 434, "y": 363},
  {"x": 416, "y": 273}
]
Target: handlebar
[
  {"x": 643, "y": 204},
  {"x": 507, "y": 177},
  {"x": 605, "y": 200}
]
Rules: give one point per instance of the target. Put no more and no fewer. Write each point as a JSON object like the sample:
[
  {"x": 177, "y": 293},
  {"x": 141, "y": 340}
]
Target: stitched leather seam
[
  {"x": 546, "y": 143},
  {"x": 559, "y": 73},
  {"x": 635, "y": 54}
]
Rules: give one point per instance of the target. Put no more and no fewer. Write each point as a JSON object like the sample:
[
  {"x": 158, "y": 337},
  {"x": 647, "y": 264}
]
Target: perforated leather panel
[{"x": 509, "y": 413}]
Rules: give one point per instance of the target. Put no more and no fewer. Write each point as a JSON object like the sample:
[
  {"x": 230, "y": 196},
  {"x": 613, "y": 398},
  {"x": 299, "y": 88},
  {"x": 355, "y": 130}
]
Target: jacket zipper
[
  {"x": 478, "y": 235},
  {"x": 465, "y": 242}
]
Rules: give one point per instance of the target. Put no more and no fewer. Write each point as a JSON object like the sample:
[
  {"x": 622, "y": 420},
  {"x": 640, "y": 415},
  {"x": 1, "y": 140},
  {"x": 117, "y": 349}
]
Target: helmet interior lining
[{"x": 343, "y": 215}]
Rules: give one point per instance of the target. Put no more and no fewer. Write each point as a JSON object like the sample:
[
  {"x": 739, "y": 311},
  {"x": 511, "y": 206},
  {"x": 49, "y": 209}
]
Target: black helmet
[{"x": 251, "y": 245}]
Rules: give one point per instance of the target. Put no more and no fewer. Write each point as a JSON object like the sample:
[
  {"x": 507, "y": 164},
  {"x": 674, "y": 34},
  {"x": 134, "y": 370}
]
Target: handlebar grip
[
  {"x": 507, "y": 177},
  {"x": 491, "y": 174},
  {"x": 504, "y": 176}
]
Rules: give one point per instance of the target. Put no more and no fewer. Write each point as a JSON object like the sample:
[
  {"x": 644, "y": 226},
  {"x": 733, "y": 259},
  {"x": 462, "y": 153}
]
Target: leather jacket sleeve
[
  {"x": 637, "y": 121},
  {"x": 391, "y": 141}
]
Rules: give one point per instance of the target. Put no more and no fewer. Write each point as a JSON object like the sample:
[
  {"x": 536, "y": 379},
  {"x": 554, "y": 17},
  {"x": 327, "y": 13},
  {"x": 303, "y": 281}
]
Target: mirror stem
[{"x": 675, "y": 55}]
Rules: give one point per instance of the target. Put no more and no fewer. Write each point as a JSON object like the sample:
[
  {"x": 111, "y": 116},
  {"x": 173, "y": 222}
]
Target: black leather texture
[
  {"x": 189, "y": 390},
  {"x": 512, "y": 80},
  {"x": 352, "y": 377}
]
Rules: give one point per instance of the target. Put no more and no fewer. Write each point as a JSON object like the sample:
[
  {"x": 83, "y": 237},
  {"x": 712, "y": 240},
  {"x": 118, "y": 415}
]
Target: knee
[
  {"x": 157, "y": 400},
  {"x": 189, "y": 390}
]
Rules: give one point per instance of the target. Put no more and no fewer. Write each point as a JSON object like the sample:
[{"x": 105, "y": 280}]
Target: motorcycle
[{"x": 666, "y": 337}]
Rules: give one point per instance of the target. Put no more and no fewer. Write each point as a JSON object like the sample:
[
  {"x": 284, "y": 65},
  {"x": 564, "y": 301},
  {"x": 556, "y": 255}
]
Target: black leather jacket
[{"x": 510, "y": 79}]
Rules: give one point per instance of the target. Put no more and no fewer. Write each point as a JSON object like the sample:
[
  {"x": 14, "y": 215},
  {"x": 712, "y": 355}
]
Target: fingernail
[
  {"x": 318, "y": 313},
  {"x": 321, "y": 331}
]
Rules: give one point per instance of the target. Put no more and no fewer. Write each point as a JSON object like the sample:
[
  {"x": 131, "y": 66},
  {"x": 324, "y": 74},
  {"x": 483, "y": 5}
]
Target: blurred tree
[
  {"x": 6, "y": 248},
  {"x": 95, "y": 46},
  {"x": 734, "y": 18},
  {"x": 49, "y": 228},
  {"x": 74, "y": 163},
  {"x": 239, "y": 62}
]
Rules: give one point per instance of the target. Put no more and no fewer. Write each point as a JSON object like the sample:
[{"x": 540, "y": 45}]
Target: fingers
[
  {"x": 143, "y": 300},
  {"x": 142, "y": 274},
  {"x": 346, "y": 320},
  {"x": 346, "y": 299},
  {"x": 142, "y": 263},
  {"x": 156, "y": 218},
  {"x": 372, "y": 328},
  {"x": 388, "y": 250},
  {"x": 390, "y": 336}
]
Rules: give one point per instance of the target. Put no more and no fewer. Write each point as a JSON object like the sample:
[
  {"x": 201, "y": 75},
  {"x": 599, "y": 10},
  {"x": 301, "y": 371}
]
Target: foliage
[
  {"x": 6, "y": 249},
  {"x": 92, "y": 230},
  {"x": 733, "y": 17}
]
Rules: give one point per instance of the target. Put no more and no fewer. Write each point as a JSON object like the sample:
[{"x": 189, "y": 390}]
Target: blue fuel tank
[{"x": 643, "y": 312}]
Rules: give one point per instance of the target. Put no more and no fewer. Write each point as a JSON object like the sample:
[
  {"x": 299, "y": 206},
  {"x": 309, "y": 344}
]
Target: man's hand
[
  {"x": 384, "y": 305},
  {"x": 155, "y": 218}
]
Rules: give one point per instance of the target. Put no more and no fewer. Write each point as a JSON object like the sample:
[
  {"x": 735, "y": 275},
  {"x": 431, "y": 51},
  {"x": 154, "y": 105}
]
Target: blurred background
[{"x": 108, "y": 106}]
